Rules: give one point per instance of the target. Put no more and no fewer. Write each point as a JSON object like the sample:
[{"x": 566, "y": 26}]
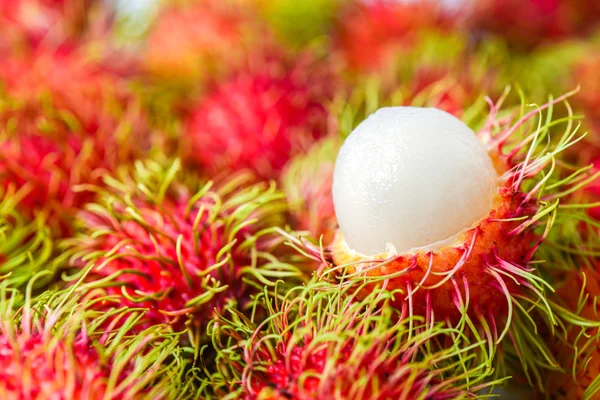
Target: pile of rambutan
[{"x": 273, "y": 199}]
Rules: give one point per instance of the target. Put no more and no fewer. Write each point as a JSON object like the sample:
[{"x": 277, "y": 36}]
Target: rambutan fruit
[
  {"x": 66, "y": 122},
  {"x": 579, "y": 355},
  {"x": 457, "y": 245},
  {"x": 25, "y": 24},
  {"x": 180, "y": 252},
  {"x": 373, "y": 33},
  {"x": 25, "y": 245},
  {"x": 57, "y": 347},
  {"x": 261, "y": 117},
  {"x": 321, "y": 342}
]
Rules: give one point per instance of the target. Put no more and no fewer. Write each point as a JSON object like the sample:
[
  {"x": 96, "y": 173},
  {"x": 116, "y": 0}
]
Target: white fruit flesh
[{"x": 409, "y": 178}]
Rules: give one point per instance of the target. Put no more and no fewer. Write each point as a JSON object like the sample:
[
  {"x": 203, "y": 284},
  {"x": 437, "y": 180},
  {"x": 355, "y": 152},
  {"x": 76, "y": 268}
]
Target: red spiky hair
[
  {"x": 57, "y": 347},
  {"x": 319, "y": 342},
  {"x": 179, "y": 253},
  {"x": 261, "y": 117},
  {"x": 68, "y": 121},
  {"x": 372, "y": 32}
]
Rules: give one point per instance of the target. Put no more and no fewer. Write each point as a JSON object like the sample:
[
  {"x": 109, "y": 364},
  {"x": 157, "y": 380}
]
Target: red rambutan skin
[
  {"x": 372, "y": 33},
  {"x": 260, "y": 118},
  {"x": 489, "y": 245},
  {"x": 69, "y": 122},
  {"x": 32, "y": 368}
]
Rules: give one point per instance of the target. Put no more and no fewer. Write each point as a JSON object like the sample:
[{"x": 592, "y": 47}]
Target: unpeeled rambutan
[
  {"x": 320, "y": 342},
  {"x": 56, "y": 347},
  {"x": 181, "y": 253},
  {"x": 579, "y": 353},
  {"x": 537, "y": 21},
  {"x": 261, "y": 117},
  {"x": 67, "y": 122}
]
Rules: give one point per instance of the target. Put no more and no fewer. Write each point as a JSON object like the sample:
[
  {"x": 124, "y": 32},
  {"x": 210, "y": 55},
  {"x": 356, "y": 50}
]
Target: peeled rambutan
[
  {"x": 181, "y": 253},
  {"x": 67, "y": 122},
  {"x": 373, "y": 33},
  {"x": 56, "y": 347},
  {"x": 466, "y": 260},
  {"x": 321, "y": 343},
  {"x": 261, "y": 117}
]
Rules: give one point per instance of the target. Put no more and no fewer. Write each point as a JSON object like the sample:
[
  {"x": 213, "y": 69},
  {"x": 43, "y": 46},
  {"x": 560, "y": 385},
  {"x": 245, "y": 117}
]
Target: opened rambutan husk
[
  {"x": 57, "y": 346},
  {"x": 180, "y": 251},
  {"x": 267, "y": 112},
  {"x": 320, "y": 342},
  {"x": 67, "y": 122},
  {"x": 488, "y": 282}
]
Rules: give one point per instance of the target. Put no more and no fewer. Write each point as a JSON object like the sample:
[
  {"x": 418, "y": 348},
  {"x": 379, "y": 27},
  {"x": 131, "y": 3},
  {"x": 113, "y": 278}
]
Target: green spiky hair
[
  {"x": 533, "y": 143},
  {"x": 25, "y": 245},
  {"x": 320, "y": 341},
  {"x": 58, "y": 345},
  {"x": 181, "y": 250}
]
